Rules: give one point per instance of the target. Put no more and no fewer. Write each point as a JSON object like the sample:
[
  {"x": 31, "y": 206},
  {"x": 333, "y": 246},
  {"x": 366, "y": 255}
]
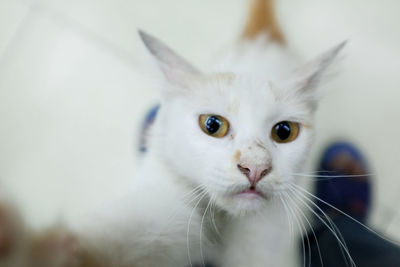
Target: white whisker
[
  {"x": 188, "y": 226},
  {"x": 212, "y": 212},
  {"x": 201, "y": 233},
  {"x": 315, "y": 237},
  {"x": 191, "y": 196},
  {"x": 303, "y": 228},
  {"x": 300, "y": 229},
  {"x": 332, "y": 227},
  {"x": 329, "y": 177},
  {"x": 193, "y": 191},
  {"x": 348, "y": 216},
  {"x": 286, "y": 209}
]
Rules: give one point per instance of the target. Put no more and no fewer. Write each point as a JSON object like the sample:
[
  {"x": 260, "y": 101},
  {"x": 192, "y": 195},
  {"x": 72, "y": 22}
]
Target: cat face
[{"x": 240, "y": 138}]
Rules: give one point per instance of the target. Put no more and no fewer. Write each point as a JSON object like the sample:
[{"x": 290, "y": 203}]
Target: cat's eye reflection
[
  {"x": 285, "y": 131},
  {"x": 214, "y": 125}
]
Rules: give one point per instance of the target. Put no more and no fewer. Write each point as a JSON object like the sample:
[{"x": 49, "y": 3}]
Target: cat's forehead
[
  {"x": 247, "y": 98},
  {"x": 233, "y": 93}
]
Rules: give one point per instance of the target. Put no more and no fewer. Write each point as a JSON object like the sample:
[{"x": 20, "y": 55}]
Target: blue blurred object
[
  {"x": 146, "y": 124},
  {"x": 345, "y": 182}
]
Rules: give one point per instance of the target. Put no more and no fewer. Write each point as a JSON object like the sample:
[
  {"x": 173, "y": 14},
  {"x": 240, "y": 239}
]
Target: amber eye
[
  {"x": 214, "y": 125},
  {"x": 285, "y": 131}
]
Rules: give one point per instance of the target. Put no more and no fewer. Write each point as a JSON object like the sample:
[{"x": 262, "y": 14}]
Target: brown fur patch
[
  {"x": 262, "y": 18},
  {"x": 237, "y": 155}
]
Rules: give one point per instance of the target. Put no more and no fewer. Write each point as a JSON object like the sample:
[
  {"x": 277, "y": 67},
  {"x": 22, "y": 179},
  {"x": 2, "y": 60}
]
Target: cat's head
[{"x": 239, "y": 138}]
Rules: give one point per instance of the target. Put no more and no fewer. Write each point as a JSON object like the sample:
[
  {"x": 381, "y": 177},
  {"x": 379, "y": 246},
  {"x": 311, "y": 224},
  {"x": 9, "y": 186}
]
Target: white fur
[{"x": 164, "y": 224}]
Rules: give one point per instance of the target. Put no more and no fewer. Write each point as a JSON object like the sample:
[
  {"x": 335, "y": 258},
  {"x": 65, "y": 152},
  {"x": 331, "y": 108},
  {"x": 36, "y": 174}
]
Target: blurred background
[{"x": 75, "y": 82}]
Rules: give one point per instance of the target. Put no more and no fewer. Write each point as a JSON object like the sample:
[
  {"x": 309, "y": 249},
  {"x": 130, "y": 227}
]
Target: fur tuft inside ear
[
  {"x": 175, "y": 68},
  {"x": 307, "y": 77}
]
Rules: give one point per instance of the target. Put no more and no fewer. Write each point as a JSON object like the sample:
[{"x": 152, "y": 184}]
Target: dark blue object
[
  {"x": 352, "y": 195},
  {"x": 337, "y": 186},
  {"x": 147, "y": 123},
  {"x": 366, "y": 248}
]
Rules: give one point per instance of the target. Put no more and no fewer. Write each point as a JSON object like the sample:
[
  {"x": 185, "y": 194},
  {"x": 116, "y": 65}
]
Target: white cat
[{"x": 213, "y": 185}]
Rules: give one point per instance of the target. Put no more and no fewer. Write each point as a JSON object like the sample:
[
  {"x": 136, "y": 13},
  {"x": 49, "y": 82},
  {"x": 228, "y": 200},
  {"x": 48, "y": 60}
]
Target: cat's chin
[{"x": 244, "y": 203}]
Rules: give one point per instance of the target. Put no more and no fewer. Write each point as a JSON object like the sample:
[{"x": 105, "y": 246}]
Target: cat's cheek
[{"x": 290, "y": 157}]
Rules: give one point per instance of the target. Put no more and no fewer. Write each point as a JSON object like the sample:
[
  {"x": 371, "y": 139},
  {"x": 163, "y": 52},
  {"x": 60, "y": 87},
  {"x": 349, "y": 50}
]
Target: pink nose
[{"x": 255, "y": 173}]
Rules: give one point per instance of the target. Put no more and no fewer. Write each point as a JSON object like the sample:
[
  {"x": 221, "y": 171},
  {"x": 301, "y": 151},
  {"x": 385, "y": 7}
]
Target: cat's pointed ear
[
  {"x": 175, "y": 68},
  {"x": 306, "y": 78}
]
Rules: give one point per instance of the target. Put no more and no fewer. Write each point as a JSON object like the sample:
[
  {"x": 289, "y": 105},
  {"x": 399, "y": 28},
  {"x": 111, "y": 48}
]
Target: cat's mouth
[{"x": 251, "y": 192}]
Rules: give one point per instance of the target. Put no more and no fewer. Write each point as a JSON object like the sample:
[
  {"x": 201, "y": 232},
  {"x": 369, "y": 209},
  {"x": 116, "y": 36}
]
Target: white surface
[
  {"x": 12, "y": 14},
  {"x": 75, "y": 82}
]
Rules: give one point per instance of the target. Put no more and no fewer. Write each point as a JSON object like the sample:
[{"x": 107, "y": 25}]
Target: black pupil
[
  {"x": 283, "y": 130},
  {"x": 213, "y": 124}
]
